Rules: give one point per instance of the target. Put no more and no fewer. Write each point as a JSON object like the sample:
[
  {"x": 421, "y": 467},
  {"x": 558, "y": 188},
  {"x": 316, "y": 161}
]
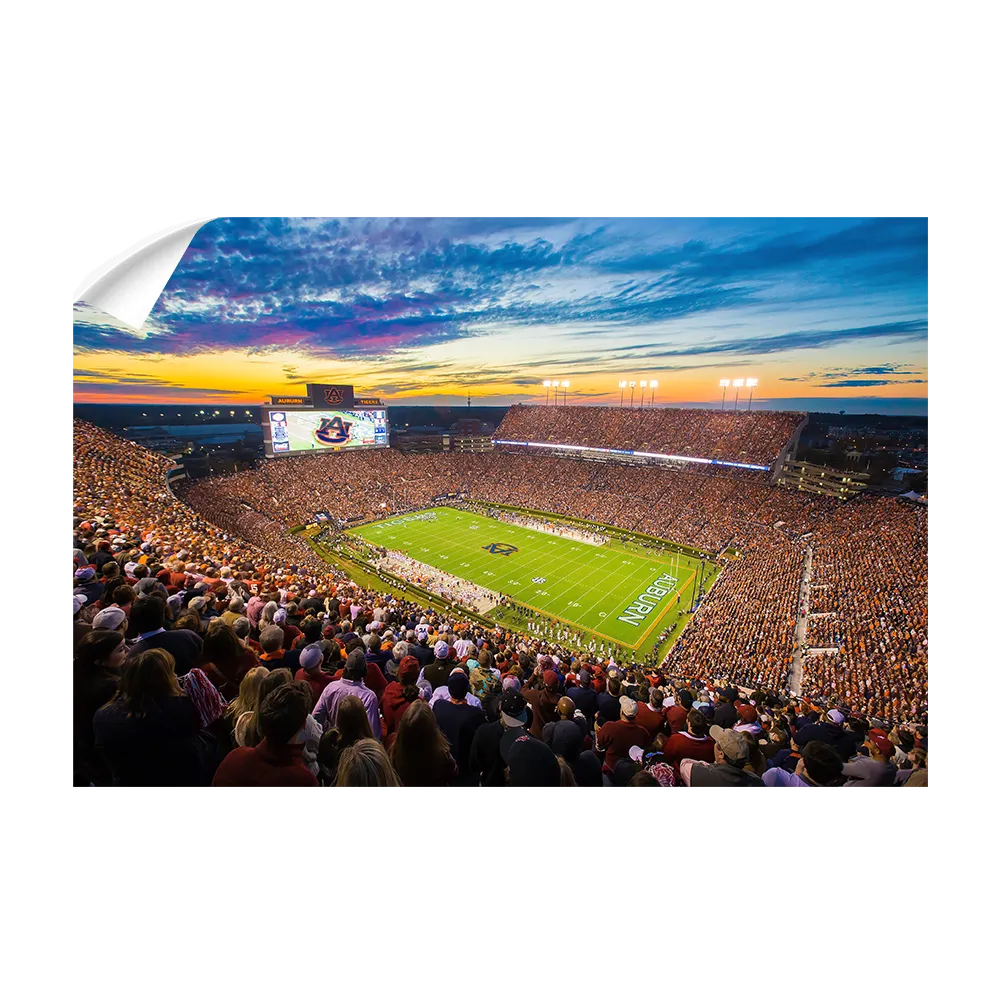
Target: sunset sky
[{"x": 826, "y": 313}]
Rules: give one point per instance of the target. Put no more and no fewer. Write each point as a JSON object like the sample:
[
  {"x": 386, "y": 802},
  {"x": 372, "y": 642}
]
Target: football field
[{"x": 617, "y": 592}]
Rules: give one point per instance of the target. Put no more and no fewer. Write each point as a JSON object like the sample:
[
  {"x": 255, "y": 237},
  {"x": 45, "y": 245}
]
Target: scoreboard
[{"x": 329, "y": 418}]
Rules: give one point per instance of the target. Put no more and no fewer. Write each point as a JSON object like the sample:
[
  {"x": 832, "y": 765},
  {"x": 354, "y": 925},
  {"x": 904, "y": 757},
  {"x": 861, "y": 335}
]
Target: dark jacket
[
  {"x": 181, "y": 643},
  {"x": 165, "y": 747},
  {"x": 484, "y": 755},
  {"x": 722, "y": 776},
  {"x": 423, "y": 653},
  {"x": 725, "y": 715},
  {"x": 585, "y": 699}
]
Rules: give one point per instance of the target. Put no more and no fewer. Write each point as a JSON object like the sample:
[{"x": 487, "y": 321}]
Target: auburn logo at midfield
[
  {"x": 333, "y": 430},
  {"x": 500, "y": 548}
]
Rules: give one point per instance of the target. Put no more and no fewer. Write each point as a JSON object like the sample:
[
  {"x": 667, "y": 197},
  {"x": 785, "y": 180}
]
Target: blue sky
[{"x": 428, "y": 310}]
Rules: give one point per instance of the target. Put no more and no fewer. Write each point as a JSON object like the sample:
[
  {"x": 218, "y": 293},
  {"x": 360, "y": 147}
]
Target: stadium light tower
[
  {"x": 751, "y": 382},
  {"x": 547, "y": 383},
  {"x": 654, "y": 385},
  {"x": 725, "y": 383},
  {"x": 642, "y": 392},
  {"x": 737, "y": 385},
  {"x": 565, "y": 386},
  {"x": 621, "y": 385},
  {"x": 631, "y": 402}
]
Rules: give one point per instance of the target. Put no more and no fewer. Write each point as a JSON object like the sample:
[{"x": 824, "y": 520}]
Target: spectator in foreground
[
  {"x": 877, "y": 769},
  {"x": 183, "y": 645},
  {"x": 819, "y": 766},
  {"x": 731, "y": 766},
  {"x": 421, "y": 753},
  {"x": 366, "y": 764},
  {"x": 277, "y": 759},
  {"x": 352, "y": 683},
  {"x": 150, "y": 731},
  {"x": 97, "y": 667}
]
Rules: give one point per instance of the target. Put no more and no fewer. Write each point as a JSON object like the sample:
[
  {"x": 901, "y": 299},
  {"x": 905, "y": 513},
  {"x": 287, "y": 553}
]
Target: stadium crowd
[
  {"x": 212, "y": 648},
  {"x": 735, "y": 436}
]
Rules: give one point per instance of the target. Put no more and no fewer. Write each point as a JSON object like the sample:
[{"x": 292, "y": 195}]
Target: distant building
[
  {"x": 900, "y": 473},
  {"x": 805, "y": 477},
  {"x": 472, "y": 443}
]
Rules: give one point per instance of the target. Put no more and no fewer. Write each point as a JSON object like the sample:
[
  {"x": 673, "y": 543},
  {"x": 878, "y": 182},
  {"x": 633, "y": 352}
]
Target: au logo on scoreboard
[
  {"x": 500, "y": 548},
  {"x": 333, "y": 394},
  {"x": 333, "y": 430}
]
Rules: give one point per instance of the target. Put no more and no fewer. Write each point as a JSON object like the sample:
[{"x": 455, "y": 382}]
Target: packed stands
[
  {"x": 211, "y": 648},
  {"x": 730, "y": 435}
]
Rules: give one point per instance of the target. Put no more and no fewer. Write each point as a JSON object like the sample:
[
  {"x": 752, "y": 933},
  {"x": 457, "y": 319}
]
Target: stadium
[
  {"x": 639, "y": 592},
  {"x": 325, "y": 571}
]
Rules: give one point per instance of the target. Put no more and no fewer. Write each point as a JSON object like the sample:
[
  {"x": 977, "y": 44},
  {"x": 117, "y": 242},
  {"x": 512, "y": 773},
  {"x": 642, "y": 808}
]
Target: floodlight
[
  {"x": 565, "y": 385},
  {"x": 643, "y": 383},
  {"x": 547, "y": 384},
  {"x": 738, "y": 382},
  {"x": 654, "y": 384},
  {"x": 751, "y": 382},
  {"x": 631, "y": 385},
  {"x": 724, "y": 382},
  {"x": 621, "y": 385}
]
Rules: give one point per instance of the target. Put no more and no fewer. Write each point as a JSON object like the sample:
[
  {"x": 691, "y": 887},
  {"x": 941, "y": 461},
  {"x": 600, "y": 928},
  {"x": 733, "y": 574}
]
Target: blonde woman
[
  {"x": 364, "y": 764},
  {"x": 267, "y": 615},
  {"x": 242, "y": 708}
]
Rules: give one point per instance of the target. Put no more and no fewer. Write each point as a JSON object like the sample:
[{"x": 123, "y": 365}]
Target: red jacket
[
  {"x": 394, "y": 705},
  {"x": 677, "y": 716},
  {"x": 618, "y": 738},
  {"x": 682, "y": 746},
  {"x": 317, "y": 681},
  {"x": 652, "y": 722},
  {"x": 260, "y": 765}
]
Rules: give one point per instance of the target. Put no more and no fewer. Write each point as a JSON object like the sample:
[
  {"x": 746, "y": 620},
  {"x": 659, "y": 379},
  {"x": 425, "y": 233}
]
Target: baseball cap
[
  {"x": 747, "y": 713},
  {"x": 629, "y": 706},
  {"x": 513, "y": 708},
  {"x": 835, "y": 717},
  {"x": 731, "y": 743},
  {"x": 109, "y": 618},
  {"x": 409, "y": 670},
  {"x": 86, "y": 573},
  {"x": 530, "y": 763},
  {"x": 458, "y": 684},
  {"x": 550, "y": 679},
  {"x": 567, "y": 740},
  {"x": 310, "y": 657},
  {"x": 441, "y": 649},
  {"x": 882, "y": 743}
]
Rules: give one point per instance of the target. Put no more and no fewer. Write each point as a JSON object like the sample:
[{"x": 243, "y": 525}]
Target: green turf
[{"x": 591, "y": 587}]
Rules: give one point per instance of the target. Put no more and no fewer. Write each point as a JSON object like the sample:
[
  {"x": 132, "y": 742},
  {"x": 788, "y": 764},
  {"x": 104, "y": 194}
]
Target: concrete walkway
[{"x": 801, "y": 624}]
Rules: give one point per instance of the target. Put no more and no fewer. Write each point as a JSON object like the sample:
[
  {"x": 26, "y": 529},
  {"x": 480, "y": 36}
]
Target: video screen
[{"x": 326, "y": 430}]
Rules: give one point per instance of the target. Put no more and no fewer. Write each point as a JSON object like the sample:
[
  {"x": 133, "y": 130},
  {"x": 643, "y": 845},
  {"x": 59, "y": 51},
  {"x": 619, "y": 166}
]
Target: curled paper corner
[{"x": 129, "y": 290}]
